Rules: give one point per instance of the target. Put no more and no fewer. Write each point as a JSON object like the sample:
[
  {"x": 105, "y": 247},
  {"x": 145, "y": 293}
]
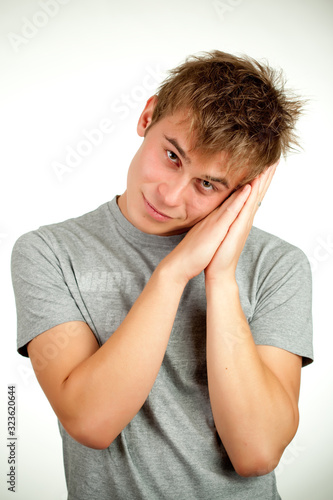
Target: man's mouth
[{"x": 153, "y": 212}]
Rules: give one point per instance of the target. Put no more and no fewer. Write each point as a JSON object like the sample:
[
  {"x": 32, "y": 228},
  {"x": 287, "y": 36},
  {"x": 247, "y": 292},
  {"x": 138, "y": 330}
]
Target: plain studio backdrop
[{"x": 75, "y": 76}]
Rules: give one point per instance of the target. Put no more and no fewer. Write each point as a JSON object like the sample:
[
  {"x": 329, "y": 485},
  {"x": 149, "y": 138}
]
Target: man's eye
[
  {"x": 207, "y": 185},
  {"x": 172, "y": 156}
]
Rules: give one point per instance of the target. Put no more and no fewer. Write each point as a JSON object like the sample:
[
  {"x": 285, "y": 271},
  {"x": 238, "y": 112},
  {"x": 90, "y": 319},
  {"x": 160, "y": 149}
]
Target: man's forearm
[
  {"x": 104, "y": 393},
  {"x": 253, "y": 413}
]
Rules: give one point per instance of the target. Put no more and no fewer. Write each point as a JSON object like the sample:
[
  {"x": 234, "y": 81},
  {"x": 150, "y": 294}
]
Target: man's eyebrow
[{"x": 180, "y": 150}]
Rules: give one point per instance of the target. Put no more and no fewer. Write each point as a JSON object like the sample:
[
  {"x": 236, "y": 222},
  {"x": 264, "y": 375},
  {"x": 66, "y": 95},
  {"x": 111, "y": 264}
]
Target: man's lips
[{"x": 153, "y": 212}]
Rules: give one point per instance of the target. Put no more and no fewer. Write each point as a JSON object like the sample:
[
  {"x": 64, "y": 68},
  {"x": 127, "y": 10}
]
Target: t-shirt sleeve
[
  {"x": 43, "y": 300},
  {"x": 283, "y": 312}
]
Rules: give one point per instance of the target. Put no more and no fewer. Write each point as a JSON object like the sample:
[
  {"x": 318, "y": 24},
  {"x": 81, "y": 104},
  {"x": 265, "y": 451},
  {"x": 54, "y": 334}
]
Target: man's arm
[
  {"x": 96, "y": 391},
  {"x": 253, "y": 389}
]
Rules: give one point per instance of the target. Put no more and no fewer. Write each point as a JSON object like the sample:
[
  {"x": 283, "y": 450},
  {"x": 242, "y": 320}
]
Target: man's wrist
[
  {"x": 167, "y": 270},
  {"x": 222, "y": 281}
]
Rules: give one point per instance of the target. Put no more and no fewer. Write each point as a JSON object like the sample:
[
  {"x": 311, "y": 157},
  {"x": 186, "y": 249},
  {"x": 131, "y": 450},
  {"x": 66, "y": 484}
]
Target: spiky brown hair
[{"x": 235, "y": 105}]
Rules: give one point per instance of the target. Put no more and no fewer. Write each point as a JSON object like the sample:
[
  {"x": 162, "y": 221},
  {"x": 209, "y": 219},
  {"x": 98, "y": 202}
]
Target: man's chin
[{"x": 164, "y": 229}]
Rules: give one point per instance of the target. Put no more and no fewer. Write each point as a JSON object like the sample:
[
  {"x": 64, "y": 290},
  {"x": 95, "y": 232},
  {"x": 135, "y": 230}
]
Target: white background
[{"x": 66, "y": 71}]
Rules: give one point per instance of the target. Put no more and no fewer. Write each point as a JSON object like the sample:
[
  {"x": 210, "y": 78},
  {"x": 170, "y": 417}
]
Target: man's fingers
[
  {"x": 259, "y": 188},
  {"x": 265, "y": 180},
  {"x": 217, "y": 224},
  {"x": 235, "y": 203}
]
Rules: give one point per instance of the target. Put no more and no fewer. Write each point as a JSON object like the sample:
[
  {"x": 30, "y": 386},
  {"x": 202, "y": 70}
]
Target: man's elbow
[
  {"x": 258, "y": 464},
  {"x": 261, "y": 460},
  {"x": 88, "y": 433}
]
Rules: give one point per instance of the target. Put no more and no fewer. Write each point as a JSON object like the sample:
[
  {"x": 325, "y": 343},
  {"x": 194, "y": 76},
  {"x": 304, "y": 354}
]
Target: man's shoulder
[
  {"x": 258, "y": 238},
  {"x": 72, "y": 229},
  {"x": 266, "y": 248}
]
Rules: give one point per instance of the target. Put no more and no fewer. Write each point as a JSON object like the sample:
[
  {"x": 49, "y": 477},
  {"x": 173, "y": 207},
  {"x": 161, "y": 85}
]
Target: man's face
[{"x": 169, "y": 189}]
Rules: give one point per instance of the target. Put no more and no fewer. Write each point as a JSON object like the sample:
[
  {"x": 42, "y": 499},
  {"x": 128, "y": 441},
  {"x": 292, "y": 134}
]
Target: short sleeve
[
  {"x": 43, "y": 299},
  {"x": 283, "y": 312}
]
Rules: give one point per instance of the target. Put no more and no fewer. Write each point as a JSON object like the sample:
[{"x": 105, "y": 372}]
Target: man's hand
[
  {"x": 225, "y": 260},
  {"x": 215, "y": 243}
]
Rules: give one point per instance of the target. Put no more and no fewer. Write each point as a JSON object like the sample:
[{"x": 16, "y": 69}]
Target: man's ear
[{"x": 146, "y": 116}]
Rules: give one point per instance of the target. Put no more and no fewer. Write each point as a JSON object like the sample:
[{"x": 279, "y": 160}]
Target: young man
[{"x": 168, "y": 333}]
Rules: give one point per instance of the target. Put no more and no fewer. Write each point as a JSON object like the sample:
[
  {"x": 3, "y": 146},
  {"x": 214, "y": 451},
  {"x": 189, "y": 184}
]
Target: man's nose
[{"x": 173, "y": 192}]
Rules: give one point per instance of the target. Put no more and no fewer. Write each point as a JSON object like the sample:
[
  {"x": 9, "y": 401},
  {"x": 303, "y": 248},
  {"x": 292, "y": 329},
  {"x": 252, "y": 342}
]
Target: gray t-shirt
[{"x": 92, "y": 268}]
